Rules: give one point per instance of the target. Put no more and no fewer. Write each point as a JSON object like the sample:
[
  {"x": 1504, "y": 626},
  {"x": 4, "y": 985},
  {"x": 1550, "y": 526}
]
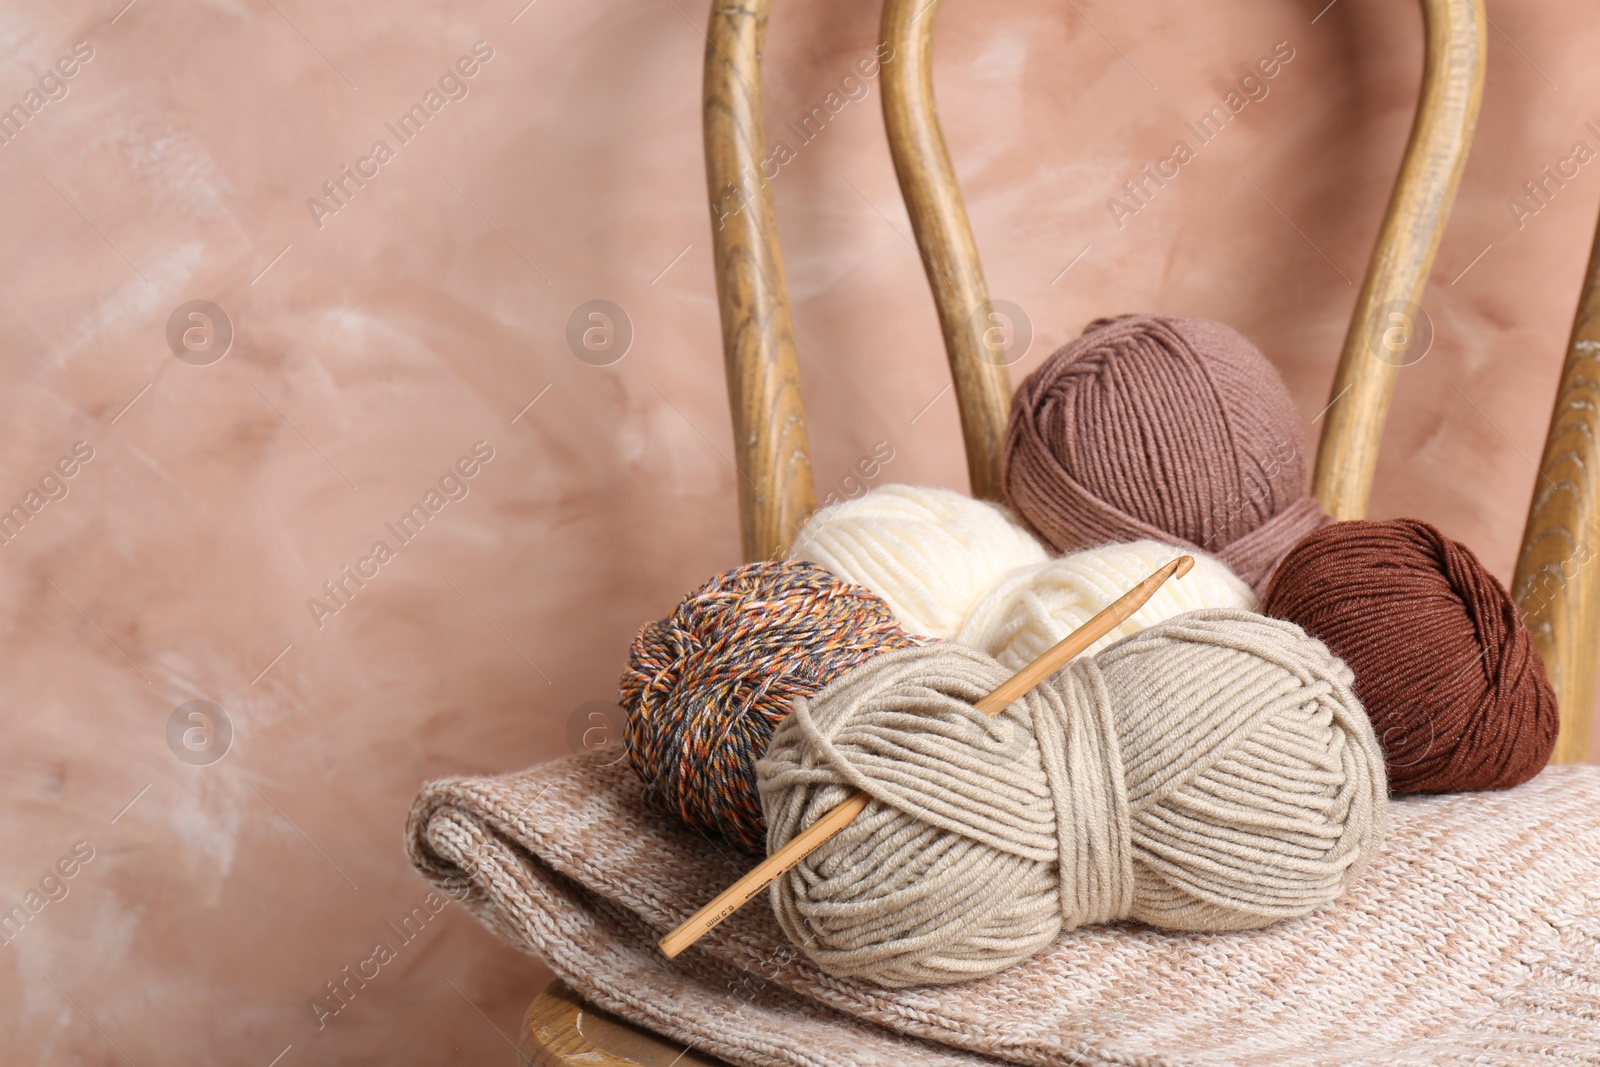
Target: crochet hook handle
[{"x": 809, "y": 840}]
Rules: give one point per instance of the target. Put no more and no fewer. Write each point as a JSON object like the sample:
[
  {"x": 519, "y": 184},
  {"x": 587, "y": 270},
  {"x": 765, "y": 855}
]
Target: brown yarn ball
[
  {"x": 1443, "y": 662},
  {"x": 1161, "y": 428}
]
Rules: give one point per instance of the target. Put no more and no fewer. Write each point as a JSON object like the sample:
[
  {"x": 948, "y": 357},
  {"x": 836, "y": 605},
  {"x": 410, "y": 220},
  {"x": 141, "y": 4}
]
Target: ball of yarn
[
  {"x": 1171, "y": 429},
  {"x": 1443, "y": 662},
  {"x": 1214, "y": 772},
  {"x": 1034, "y": 607},
  {"x": 930, "y": 553},
  {"x": 705, "y": 686}
]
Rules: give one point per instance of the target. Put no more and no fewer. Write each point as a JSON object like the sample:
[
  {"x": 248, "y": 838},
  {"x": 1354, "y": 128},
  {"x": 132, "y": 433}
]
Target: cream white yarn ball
[
  {"x": 1032, "y": 608},
  {"x": 930, "y": 553}
]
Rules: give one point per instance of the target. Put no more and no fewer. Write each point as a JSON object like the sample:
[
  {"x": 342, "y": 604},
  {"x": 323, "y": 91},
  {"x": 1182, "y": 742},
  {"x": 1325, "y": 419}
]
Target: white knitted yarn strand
[
  {"x": 1215, "y": 772},
  {"x": 1032, "y": 608},
  {"x": 930, "y": 553}
]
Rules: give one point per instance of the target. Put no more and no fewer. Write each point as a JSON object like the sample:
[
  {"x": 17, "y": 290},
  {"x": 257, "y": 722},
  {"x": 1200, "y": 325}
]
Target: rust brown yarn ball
[{"x": 1443, "y": 662}]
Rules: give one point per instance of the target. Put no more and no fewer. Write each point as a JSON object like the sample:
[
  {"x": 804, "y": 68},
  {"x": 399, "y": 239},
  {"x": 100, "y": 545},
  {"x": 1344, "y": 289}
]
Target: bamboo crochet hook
[{"x": 802, "y": 845}]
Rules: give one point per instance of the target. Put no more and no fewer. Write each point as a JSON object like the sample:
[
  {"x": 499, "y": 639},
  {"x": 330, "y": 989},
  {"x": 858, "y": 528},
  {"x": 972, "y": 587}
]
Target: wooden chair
[{"x": 1559, "y": 596}]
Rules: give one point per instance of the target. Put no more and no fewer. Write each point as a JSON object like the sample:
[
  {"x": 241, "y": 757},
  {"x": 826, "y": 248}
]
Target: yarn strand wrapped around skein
[
  {"x": 1166, "y": 428},
  {"x": 1214, "y": 772}
]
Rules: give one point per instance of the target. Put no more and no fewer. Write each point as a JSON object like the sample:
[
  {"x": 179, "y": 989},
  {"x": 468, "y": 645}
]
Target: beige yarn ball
[
  {"x": 930, "y": 553},
  {"x": 1214, "y": 772},
  {"x": 1034, "y": 607}
]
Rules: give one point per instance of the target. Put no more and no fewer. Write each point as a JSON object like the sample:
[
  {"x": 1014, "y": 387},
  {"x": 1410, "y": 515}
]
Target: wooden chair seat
[{"x": 561, "y": 1030}]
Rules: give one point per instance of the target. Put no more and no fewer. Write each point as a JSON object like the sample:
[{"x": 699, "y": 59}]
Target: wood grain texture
[
  {"x": 1557, "y": 581},
  {"x": 939, "y": 220},
  {"x": 770, "y": 447},
  {"x": 1441, "y": 134},
  {"x": 560, "y": 1030}
]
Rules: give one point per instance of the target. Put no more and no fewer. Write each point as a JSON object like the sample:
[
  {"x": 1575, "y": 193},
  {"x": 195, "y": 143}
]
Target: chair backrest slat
[
  {"x": 1385, "y": 313},
  {"x": 949, "y": 256},
  {"x": 770, "y": 448},
  {"x": 1557, "y": 583}
]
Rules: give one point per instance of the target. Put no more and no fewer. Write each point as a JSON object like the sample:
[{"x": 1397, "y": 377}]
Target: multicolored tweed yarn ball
[{"x": 706, "y": 685}]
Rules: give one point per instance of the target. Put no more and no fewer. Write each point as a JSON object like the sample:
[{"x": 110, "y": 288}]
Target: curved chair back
[
  {"x": 1441, "y": 134},
  {"x": 1557, "y": 592}
]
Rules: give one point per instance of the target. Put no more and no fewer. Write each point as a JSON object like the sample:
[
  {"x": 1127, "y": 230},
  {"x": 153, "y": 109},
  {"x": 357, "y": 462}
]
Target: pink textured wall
[{"x": 375, "y": 345}]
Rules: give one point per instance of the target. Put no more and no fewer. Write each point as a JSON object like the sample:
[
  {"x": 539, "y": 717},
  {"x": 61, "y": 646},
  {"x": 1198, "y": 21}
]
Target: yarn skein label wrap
[
  {"x": 1167, "y": 428},
  {"x": 1214, "y": 772}
]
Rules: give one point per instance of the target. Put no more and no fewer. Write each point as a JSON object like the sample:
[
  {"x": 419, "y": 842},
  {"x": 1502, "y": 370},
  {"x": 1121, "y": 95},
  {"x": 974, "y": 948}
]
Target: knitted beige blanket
[{"x": 1473, "y": 939}]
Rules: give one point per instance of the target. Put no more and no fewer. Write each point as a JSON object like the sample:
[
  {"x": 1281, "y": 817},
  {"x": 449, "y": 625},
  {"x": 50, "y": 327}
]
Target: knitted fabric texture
[
  {"x": 705, "y": 685},
  {"x": 1034, "y": 607},
  {"x": 930, "y": 553},
  {"x": 1442, "y": 659},
  {"x": 1473, "y": 940},
  {"x": 1172, "y": 429},
  {"x": 1214, "y": 772}
]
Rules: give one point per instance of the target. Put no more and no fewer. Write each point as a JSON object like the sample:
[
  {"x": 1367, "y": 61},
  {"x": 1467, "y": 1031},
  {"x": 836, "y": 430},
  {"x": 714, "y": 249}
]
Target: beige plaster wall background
[{"x": 376, "y": 345}]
